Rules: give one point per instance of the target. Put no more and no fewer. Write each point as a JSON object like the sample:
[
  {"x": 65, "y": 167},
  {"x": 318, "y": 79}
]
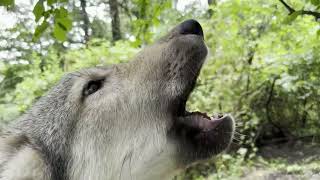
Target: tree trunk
[
  {"x": 175, "y": 4},
  {"x": 210, "y": 11},
  {"x": 85, "y": 20},
  {"x": 115, "y": 20}
]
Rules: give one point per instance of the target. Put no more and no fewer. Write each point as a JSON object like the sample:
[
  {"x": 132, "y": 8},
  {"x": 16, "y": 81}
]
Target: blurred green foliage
[{"x": 263, "y": 66}]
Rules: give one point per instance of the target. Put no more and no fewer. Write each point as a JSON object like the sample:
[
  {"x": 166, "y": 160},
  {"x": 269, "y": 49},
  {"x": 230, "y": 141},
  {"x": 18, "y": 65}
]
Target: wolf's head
[{"x": 129, "y": 120}]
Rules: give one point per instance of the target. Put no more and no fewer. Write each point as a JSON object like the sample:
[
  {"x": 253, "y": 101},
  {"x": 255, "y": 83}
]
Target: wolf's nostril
[{"x": 191, "y": 26}]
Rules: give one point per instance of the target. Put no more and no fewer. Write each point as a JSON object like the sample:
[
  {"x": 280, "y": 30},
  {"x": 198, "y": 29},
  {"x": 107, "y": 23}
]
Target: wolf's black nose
[{"x": 191, "y": 26}]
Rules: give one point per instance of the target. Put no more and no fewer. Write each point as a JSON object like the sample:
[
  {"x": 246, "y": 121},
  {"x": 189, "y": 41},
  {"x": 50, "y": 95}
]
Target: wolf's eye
[{"x": 92, "y": 87}]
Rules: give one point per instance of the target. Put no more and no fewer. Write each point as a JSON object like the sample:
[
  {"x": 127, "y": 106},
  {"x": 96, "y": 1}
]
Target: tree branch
[
  {"x": 268, "y": 103},
  {"x": 85, "y": 18},
  {"x": 291, "y": 10},
  {"x": 123, "y": 5},
  {"x": 316, "y": 15}
]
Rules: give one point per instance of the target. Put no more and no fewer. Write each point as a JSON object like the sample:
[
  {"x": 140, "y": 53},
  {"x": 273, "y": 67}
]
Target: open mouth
[
  {"x": 202, "y": 135},
  {"x": 196, "y": 121},
  {"x": 199, "y": 121}
]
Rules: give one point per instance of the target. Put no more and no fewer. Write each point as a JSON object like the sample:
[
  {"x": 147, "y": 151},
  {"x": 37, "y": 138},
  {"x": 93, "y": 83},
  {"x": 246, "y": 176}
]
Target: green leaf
[
  {"x": 315, "y": 2},
  {"x": 6, "y": 2},
  {"x": 38, "y": 10},
  {"x": 39, "y": 30},
  {"x": 63, "y": 1},
  {"x": 62, "y": 19},
  {"x": 62, "y": 25},
  {"x": 46, "y": 14},
  {"x": 318, "y": 33},
  {"x": 65, "y": 23},
  {"x": 292, "y": 17},
  {"x": 60, "y": 13},
  {"x": 50, "y": 2},
  {"x": 59, "y": 33}
]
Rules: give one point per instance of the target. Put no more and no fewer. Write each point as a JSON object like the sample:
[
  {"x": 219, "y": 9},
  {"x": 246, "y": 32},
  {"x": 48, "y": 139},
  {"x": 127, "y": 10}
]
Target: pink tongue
[{"x": 201, "y": 121}]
